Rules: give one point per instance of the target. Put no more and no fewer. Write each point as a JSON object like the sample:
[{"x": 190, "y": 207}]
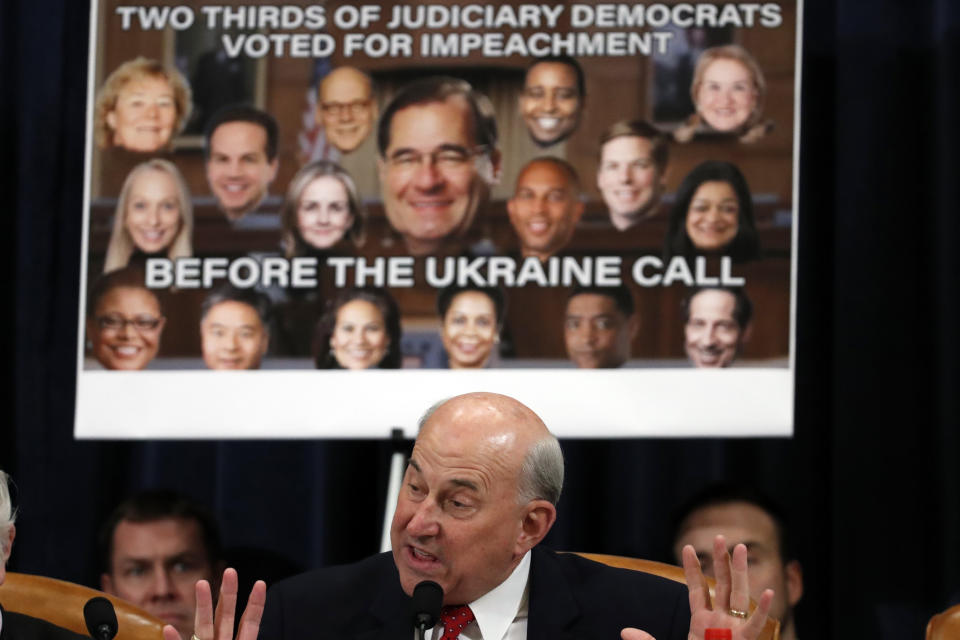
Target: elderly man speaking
[{"x": 479, "y": 494}]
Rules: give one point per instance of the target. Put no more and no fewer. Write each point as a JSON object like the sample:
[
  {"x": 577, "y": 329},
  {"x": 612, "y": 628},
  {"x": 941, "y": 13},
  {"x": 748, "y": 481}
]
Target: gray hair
[
  {"x": 7, "y": 513},
  {"x": 541, "y": 472},
  {"x": 429, "y": 413}
]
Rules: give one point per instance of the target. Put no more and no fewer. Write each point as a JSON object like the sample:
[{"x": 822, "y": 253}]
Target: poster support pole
[{"x": 398, "y": 460}]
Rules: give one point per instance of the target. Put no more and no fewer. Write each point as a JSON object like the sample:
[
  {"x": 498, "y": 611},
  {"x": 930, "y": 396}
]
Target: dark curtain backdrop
[{"x": 871, "y": 475}]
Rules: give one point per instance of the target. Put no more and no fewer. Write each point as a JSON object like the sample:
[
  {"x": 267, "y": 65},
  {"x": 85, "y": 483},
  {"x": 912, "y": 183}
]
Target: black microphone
[
  {"x": 101, "y": 619},
  {"x": 425, "y": 603}
]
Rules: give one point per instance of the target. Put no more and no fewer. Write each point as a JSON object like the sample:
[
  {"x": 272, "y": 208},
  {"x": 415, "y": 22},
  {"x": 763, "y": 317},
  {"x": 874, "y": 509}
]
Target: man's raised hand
[
  {"x": 210, "y": 625},
  {"x": 731, "y": 604}
]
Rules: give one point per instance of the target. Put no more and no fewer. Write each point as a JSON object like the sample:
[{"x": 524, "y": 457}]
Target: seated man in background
[
  {"x": 234, "y": 330},
  {"x": 154, "y": 547},
  {"x": 743, "y": 516},
  {"x": 716, "y": 325},
  {"x": 16, "y": 626},
  {"x": 599, "y": 326},
  {"x": 545, "y": 206}
]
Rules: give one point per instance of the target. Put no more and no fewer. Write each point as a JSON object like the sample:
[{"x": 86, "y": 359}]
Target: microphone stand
[{"x": 421, "y": 630}]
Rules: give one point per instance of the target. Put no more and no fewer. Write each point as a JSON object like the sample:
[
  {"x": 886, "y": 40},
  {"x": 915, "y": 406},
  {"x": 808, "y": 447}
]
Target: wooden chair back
[
  {"x": 945, "y": 626},
  {"x": 61, "y": 603},
  {"x": 771, "y": 630}
]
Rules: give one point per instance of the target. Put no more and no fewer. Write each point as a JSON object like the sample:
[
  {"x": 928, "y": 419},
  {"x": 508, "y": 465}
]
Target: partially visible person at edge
[{"x": 13, "y": 625}]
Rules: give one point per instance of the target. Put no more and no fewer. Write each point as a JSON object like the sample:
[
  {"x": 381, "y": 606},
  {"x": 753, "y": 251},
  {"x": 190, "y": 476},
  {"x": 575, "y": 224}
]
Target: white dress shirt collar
[{"x": 497, "y": 609}]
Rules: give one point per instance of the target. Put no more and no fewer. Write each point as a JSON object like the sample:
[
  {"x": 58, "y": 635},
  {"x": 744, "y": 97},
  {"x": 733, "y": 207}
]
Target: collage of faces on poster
[{"x": 539, "y": 210}]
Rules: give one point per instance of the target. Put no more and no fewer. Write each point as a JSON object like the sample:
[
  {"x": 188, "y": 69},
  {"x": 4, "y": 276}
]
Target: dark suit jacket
[
  {"x": 570, "y": 598},
  {"x": 17, "y": 626}
]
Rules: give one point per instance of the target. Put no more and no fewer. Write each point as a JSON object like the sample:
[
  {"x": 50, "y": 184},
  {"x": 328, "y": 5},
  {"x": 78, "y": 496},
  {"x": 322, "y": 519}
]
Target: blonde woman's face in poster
[
  {"x": 152, "y": 216},
  {"x": 144, "y": 115},
  {"x": 727, "y": 95}
]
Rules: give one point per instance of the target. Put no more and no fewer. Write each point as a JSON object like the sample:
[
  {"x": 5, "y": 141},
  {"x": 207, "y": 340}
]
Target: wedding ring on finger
[
  {"x": 737, "y": 613},
  {"x": 194, "y": 637}
]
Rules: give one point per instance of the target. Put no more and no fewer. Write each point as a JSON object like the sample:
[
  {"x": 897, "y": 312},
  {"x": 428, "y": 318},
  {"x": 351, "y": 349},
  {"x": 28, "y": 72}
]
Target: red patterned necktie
[{"x": 454, "y": 619}]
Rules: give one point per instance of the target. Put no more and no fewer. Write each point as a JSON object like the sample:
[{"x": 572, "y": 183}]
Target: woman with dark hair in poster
[
  {"x": 360, "y": 330},
  {"x": 472, "y": 318},
  {"x": 124, "y": 320},
  {"x": 713, "y": 215}
]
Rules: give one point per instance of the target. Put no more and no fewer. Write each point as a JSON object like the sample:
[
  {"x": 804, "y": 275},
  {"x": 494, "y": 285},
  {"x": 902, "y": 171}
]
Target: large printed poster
[{"x": 318, "y": 219}]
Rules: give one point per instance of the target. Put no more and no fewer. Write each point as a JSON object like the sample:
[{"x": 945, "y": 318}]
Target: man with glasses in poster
[
  {"x": 438, "y": 158},
  {"x": 346, "y": 108}
]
